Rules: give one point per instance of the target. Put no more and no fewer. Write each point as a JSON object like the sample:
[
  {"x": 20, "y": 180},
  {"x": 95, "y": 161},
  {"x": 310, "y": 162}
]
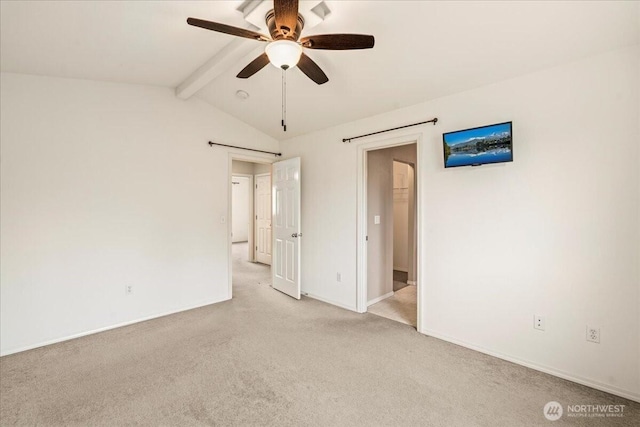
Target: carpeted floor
[
  {"x": 266, "y": 359},
  {"x": 247, "y": 273}
]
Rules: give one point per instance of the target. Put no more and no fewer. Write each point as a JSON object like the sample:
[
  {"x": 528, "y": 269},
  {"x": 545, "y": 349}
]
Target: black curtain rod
[
  {"x": 434, "y": 121},
  {"x": 242, "y": 148}
]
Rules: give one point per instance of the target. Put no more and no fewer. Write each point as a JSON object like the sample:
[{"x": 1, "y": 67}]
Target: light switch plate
[{"x": 376, "y": 219}]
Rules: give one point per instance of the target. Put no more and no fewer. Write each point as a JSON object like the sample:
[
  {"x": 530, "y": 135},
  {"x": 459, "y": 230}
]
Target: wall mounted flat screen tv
[{"x": 478, "y": 146}]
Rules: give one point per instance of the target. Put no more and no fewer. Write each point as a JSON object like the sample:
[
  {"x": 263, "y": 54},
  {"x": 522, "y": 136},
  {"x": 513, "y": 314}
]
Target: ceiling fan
[{"x": 284, "y": 50}]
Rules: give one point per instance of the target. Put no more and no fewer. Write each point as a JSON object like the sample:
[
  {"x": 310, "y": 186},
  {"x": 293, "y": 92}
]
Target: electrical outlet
[
  {"x": 339, "y": 277},
  {"x": 128, "y": 289},
  {"x": 538, "y": 322},
  {"x": 593, "y": 334}
]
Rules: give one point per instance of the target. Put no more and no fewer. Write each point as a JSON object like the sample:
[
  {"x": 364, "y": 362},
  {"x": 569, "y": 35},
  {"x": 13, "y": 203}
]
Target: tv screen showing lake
[{"x": 477, "y": 146}]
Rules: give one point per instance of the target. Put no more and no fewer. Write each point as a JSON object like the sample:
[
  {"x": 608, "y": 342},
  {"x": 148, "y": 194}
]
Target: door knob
[{"x": 296, "y": 235}]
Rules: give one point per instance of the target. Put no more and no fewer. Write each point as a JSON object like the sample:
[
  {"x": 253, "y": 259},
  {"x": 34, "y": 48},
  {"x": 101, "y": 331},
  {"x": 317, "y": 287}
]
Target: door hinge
[{"x": 366, "y": 238}]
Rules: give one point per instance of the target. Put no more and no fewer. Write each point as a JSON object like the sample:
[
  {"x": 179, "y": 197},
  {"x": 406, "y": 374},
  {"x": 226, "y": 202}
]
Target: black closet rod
[
  {"x": 434, "y": 121},
  {"x": 242, "y": 148}
]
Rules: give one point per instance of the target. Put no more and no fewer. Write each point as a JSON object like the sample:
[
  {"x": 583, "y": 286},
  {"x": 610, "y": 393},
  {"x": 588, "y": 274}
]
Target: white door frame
[
  {"x": 361, "y": 276},
  {"x": 266, "y": 159}
]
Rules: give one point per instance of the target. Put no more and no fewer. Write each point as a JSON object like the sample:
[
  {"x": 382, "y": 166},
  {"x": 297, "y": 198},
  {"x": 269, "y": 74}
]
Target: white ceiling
[{"x": 424, "y": 50}]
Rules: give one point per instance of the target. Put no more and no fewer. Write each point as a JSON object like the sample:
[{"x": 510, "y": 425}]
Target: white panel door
[
  {"x": 240, "y": 211},
  {"x": 263, "y": 218},
  {"x": 286, "y": 226}
]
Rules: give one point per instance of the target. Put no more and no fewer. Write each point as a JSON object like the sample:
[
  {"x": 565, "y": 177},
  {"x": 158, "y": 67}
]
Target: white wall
[
  {"x": 238, "y": 166},
  {"x": 554, "y": 233},
  {"x": 106, "y": 185},
  {"x": 261, "y": 168},
  {"x": 380, "y": 243},
  {"x": 249, "y": 168}
]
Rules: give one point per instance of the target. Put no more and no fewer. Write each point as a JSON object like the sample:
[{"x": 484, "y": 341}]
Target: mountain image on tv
[{"x": 478, "y": 146}]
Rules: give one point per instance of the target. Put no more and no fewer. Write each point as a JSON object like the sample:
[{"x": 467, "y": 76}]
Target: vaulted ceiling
[{"x": 424, "y": 50}]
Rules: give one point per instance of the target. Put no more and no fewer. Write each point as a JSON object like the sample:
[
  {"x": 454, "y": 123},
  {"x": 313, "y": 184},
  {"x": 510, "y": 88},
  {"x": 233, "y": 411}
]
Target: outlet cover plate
[
  {"x": 538, "y": 322},
  {"x": 593, "y": 334}
]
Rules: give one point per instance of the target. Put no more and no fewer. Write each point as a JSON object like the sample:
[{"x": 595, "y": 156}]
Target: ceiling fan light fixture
[{"x": 283, "y": 54}]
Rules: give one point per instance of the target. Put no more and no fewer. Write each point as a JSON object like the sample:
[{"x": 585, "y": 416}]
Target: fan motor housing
[{"x": 283, "y": 34}]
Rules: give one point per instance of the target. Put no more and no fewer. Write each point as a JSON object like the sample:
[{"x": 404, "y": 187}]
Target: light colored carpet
[
  {"x": 264, "y": 358},
  {"x": 247, "y": 273},
  {"x": 401, "y": 307}
]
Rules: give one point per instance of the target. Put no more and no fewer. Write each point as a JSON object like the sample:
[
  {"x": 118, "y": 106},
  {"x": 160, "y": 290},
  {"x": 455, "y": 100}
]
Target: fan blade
[
  {"x": 254, "y": 66},
  {"x": 286, "y": 15},
  {"x": 227, "y": 29},
  {"x": 312, "y": 70},
  {"x": 338, "y": 41}
]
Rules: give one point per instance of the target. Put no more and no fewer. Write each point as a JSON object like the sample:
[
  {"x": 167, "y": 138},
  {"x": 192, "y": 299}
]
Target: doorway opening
[
  {"x": 389, "y": 224},
  {"x": 250, "y": 225}
]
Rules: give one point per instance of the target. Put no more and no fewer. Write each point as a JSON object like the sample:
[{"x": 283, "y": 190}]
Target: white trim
[
  {"x": 627, "y": 394},
  {"x": 417, "y": 173},
  {"x": 361, "y": 252},
  {"x": 411, "y": 282},
  {"x": 380, "y": 298},
  {"x": 243, "y": 157},
  {"x": 107, "y": 328},
  {"x": 337, "y": 304}
]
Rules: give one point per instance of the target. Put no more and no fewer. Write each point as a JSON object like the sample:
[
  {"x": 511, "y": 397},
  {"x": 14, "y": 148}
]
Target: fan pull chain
[{"x": 284, "y": 99}]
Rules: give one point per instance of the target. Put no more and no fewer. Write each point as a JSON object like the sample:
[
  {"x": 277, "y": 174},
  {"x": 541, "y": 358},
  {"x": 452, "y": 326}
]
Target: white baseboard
[
  {"x": 627, "y": 394},
  {"x": 337, "y": 304},
  {"x": 106, "y": 328},
  {"x": 380, "y": 298},
  {"x": 412, "y": 282},
  {"x": 404, "y": 270}
]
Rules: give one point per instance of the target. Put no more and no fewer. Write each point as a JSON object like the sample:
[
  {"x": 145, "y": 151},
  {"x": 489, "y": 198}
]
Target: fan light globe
[{"x": 283, "y": 54}]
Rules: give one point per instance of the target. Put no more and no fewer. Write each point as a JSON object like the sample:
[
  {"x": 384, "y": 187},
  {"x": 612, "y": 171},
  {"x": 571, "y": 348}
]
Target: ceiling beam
[{"x": 228, "y": 57}]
